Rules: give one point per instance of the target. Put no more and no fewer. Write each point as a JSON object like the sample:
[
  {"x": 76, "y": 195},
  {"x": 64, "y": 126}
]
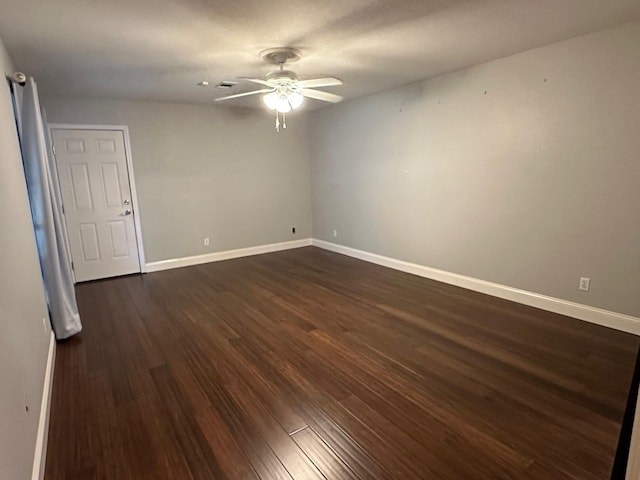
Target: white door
[{"x": 94, "y": 181}]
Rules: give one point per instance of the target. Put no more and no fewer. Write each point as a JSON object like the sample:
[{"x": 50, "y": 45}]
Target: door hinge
[
  {"x": 72, "y": 267},
  {"x": 53, "y": 148},
  {"x": 63, "y": 212}
]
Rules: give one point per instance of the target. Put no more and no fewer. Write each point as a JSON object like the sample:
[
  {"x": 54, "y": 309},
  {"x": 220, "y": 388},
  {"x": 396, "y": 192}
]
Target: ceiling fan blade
[
  {"x": 320, "y": 82},
  {"x": 255, "y": 80},
  {"x": 246, "y": 94},
  {"x": 318, "y": 95}
]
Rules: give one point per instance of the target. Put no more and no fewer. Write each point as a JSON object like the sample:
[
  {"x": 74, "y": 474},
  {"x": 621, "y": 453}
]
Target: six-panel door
[{"x": 94, "y": 181}]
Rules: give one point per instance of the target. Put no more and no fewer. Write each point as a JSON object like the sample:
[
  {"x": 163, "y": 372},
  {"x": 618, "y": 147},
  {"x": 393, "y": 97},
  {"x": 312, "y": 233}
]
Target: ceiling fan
[{"x": 283, "y": 91}]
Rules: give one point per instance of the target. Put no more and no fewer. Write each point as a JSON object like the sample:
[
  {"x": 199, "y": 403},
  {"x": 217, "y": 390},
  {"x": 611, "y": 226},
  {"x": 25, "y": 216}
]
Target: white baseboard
[
  {"x": 619, "y": 321},
  {"x": 40, "y": 455},
  {"x": 226, "y": 255}
]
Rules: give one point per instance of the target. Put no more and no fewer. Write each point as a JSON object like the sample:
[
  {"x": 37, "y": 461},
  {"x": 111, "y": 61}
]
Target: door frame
[{"x": 132, "y": 183}]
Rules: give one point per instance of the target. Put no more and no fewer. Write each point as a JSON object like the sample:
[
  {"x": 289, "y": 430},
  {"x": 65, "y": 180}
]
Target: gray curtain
[{"x": 48, "y": 220}]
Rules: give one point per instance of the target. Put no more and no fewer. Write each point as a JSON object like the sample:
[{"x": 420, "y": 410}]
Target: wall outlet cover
[{"x": 585, "y": 284}]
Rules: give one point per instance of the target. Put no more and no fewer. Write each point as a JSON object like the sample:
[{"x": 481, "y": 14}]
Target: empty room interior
[{"x": 354, "y": 239}]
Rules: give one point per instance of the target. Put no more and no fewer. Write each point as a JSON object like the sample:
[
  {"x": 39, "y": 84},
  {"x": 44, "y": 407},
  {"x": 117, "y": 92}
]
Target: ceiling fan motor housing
[{"x": 282, "y": 76}]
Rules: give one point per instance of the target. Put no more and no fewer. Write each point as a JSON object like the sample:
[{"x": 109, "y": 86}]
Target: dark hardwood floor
[{"x": 306, "y": 364}]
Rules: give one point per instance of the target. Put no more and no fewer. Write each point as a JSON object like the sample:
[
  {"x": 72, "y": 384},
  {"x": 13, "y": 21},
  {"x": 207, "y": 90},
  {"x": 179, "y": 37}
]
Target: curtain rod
[{"x": 17, "y": 77}]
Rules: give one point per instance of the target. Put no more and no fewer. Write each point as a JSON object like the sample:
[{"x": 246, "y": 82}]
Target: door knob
[{"x": 127, "y": 212}]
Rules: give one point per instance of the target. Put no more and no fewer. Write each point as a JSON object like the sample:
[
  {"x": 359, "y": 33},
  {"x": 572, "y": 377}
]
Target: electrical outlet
[
  {"x": 585, "y": 284},
  {"x": 335, "y": 234},
  {"x": 206, "y": 241}
]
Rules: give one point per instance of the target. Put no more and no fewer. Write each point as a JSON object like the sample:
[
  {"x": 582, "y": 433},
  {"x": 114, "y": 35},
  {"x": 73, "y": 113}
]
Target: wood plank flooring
[{"x": 306, "y": 364}]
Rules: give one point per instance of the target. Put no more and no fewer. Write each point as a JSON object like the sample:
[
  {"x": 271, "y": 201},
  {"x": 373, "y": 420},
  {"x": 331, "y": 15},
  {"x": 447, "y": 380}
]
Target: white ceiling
[{"x": 160, "y": 49}]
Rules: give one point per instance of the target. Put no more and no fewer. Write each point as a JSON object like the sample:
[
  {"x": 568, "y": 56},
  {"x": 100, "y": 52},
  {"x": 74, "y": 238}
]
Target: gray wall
[
  {"x": 205, "y": 171},
  {"x": 24, "y": 340},
  {"x": 524, "y": 171}
]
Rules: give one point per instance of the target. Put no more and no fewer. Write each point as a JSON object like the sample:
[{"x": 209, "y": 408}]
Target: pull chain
[
  {"x": 284, "y": 120},
  {"x": 277, "y": 121}
]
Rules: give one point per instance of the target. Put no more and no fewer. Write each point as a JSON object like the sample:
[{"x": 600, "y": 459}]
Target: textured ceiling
[{"x": 160, "y": 49}]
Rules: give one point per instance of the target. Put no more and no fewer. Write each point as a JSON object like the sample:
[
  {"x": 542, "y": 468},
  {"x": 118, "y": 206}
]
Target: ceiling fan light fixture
[
  {"x": 271, "y": 100},
  {"x": 283, "y": 105},
  {"x": 283, "y": 102},
  {"x": 295, "y": 100}
]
